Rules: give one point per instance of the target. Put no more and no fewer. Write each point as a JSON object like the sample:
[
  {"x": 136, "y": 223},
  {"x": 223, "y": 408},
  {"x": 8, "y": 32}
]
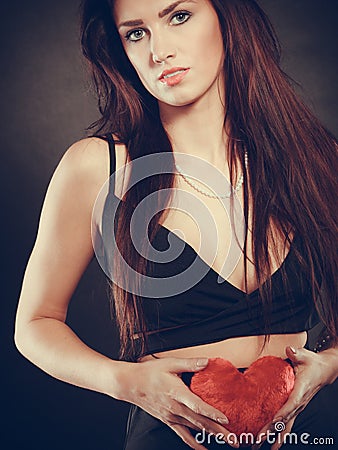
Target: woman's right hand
[{"x": 157, "y": 388}]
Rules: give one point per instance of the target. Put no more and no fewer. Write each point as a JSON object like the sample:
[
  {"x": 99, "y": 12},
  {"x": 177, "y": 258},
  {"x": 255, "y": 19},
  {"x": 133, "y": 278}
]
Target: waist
[
  {"x": 169, "y": 327},
  {"x": 240, "y": 351}
]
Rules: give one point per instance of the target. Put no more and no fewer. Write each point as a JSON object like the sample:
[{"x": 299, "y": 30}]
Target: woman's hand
[
  {"x": 312, "y": 372},
  {"x": 157, "y": 388}
]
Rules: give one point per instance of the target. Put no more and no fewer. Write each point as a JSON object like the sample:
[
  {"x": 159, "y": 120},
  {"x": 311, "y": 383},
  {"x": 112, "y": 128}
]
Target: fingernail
[
  {"x": 277, "y": 419},
  {"x": 260, "y": 441},
  {"x": 293, "y": 350},
  {"x": 231, "y": 441},
  {"x": 202, "y": 362},
  {"x": 223, "y": 420}
]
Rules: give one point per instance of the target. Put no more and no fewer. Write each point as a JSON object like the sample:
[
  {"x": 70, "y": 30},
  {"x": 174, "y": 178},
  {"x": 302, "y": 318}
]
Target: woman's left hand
[{"x": 312, "y": 372}]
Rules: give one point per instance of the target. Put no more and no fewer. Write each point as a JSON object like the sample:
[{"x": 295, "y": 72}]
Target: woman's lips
[{"x": 174, "y": 77}]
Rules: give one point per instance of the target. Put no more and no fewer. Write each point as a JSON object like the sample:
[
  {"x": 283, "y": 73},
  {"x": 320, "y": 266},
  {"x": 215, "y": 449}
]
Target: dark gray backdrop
[{"x": 46, "y": 105}]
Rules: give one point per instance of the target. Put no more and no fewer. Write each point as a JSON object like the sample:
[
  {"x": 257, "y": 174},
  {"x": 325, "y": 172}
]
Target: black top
[{"x": 211, "y": 311}]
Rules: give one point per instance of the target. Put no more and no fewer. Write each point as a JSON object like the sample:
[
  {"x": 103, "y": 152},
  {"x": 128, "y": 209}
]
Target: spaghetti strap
[
  {"x": 112, "y": 158},
  {"x": 112, "y": 155}
]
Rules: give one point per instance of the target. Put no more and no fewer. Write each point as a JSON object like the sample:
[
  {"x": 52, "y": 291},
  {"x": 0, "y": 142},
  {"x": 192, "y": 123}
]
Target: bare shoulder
[
  {"x": 88, "y": 159},
  {"x": 75, "y": 186}
]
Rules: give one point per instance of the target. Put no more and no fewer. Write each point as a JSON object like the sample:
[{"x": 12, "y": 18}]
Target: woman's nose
[{"x": 161, "y": 49}]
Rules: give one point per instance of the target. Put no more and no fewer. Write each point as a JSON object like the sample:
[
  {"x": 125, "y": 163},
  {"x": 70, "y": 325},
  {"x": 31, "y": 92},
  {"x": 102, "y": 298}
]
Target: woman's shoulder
[{"x": 88, "y": 159}]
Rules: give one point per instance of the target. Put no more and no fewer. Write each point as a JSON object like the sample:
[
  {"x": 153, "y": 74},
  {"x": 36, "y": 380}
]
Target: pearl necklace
[{"x": 207, "y": 193}]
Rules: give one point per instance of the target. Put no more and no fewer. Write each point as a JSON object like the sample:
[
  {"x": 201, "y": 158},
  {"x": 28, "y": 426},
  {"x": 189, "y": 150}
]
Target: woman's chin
[{"x": 180, "y": 101}]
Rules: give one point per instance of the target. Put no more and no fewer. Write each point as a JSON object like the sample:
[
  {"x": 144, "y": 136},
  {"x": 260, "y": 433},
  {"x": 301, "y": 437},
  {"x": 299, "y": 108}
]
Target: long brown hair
[{"x": 293, "y": 158}]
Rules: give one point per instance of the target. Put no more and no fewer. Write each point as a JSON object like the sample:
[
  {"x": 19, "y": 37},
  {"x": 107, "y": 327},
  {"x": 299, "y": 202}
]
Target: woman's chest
[{"x": 215, "y": 231}]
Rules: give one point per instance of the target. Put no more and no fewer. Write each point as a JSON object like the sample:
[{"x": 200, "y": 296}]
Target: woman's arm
[{"x": 61, "y": 253}]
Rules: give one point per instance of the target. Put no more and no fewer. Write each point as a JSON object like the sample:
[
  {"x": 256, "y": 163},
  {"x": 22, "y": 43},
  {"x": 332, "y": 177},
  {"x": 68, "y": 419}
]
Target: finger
[
  {"x": 292, "y": 414},
  {"x": 276, "y": 426},
  {"x": 179, "y": 365},
  {"x": 204, "y": 423},
  {"x": 198, "y": 406},
  {"x": 298, "y": 355},
  {"x": 281, "y": 420},
  {"x": 261, "y": 437},
  {"x": 282, "y": 436},
  {"x": 177, "y": 420},
  {"x": 205, "y": 435},
  {"x": 295, "y": 404},
  {"x": 259, "y": 441},
  {"x": 186, "y": 436},
  {"x": 273, "y": 430},
  {"x": 297, "y": 400}
]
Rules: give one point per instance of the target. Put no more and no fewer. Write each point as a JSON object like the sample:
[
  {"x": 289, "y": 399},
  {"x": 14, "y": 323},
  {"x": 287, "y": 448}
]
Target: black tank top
[{"x": 211, "y": 311}]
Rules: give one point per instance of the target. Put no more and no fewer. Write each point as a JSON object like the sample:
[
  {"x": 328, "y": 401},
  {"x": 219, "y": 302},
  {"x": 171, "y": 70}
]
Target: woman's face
[{"x": 182, "y": 37}]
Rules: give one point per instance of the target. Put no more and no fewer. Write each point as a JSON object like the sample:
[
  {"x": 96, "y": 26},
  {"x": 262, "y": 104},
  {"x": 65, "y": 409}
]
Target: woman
[{"x": 199, "y": 82}]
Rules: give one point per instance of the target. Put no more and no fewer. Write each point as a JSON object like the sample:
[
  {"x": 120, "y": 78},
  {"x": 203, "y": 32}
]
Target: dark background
[{"x": 46, "y": 103}]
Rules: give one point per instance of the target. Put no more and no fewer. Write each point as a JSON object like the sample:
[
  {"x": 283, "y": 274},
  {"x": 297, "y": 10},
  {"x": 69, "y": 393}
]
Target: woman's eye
[
  {"x": 180, "y": 17},
  {"x": 177, "y": 19},
  {"x": 134, "y": 35}
]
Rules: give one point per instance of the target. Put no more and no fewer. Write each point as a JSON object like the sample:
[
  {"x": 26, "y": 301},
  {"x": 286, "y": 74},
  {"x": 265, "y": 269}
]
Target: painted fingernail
[
  {"x": 277, "y": 419},
  {"x": 260, "y": 439},
  {"x": 223, "y": 420},
  {"x": 293, "y": 350},
  {"x": 202, "y": 362},
  {"x": 231, "y": 440}
]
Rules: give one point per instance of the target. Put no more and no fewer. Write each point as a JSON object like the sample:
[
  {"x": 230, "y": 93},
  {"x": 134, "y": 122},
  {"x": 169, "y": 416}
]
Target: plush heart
[{"x": 249, "y": 399}]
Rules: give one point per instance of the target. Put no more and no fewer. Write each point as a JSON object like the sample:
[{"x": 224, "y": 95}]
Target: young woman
[{"x": 196, "y": 86}]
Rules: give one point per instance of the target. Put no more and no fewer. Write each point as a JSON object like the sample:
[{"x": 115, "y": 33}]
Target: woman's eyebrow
[
  {"x": 131, "y": 23},
  {"x": 171, "y": 7},
  {"x": 161, "y": 14}
]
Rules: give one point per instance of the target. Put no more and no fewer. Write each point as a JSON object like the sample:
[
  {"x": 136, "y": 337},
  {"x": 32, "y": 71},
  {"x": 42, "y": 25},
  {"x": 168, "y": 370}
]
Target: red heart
[{"x": 249, "y": 399}]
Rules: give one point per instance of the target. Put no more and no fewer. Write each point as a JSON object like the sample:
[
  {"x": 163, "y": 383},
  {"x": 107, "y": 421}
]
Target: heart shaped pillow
[{"x": 249, "y": 399}]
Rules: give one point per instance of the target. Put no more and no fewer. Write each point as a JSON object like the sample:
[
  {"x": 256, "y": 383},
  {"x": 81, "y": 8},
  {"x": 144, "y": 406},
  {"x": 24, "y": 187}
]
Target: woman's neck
[{"x": 197, "y": 129}]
